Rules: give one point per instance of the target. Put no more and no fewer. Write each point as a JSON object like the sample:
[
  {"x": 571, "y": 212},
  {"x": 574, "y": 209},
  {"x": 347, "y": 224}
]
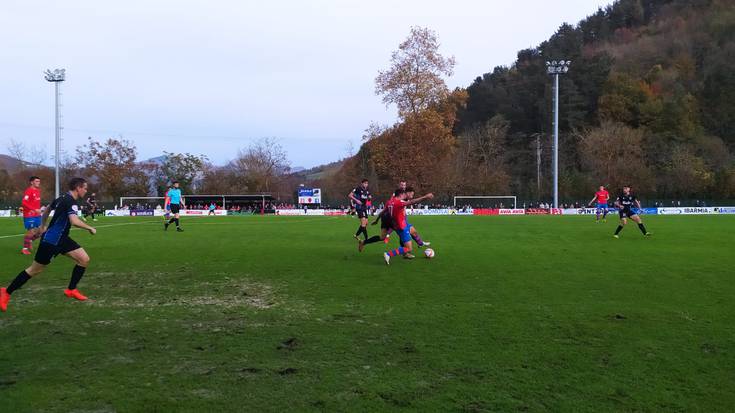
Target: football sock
[
  {"x": 76, "y": 275},
  {"x": 397, "y": 251},
  {"x": 18, "y": 282},
  {"x": 620, "y": 228},
  {"x": 374, "y": 238},
  {"x": 27, "y": 240},
  {"x": 643, "y": 229},
  {"x": 418, "y": 239},
  {"x": 176, "y": 220},
  {"x": 362, "y": 230},
  {"x": 171, "y": 221}
]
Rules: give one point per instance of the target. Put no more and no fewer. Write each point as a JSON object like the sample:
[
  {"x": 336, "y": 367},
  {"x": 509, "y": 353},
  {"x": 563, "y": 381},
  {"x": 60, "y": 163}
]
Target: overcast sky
[{"x": 209, "y": 77}]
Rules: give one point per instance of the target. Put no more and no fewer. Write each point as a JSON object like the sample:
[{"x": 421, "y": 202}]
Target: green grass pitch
[{"x": 534, "y": 313}]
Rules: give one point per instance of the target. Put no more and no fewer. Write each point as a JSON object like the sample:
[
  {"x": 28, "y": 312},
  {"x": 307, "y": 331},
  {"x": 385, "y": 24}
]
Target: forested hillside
[{"x": 649, "y": 100}]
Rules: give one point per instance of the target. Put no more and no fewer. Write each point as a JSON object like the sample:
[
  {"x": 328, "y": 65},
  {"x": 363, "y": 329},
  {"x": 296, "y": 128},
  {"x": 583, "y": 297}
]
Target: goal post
[{"x": 484, "y": 199}]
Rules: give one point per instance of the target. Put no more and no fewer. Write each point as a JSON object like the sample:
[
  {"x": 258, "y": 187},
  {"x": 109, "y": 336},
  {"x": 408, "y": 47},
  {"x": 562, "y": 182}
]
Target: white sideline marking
[
  {"x": 191, "y": 223},
  {"x": 262, "y": 222},
  {"x": 100, "y": 226}
]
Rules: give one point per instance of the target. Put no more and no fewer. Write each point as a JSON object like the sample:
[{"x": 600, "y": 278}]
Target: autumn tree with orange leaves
[
  {"x": 417, "y": 148},
  {"x": 415, "y": 81}
]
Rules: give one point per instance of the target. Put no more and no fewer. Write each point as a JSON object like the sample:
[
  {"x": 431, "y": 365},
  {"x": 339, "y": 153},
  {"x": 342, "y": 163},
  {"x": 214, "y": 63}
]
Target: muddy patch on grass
[
  {"x": 287, "y": 371},
  {"x": 397, "y": 399},
  {"x": 227, "y": 294},
  {"x": 475, "y": 406},
  {"x": 409, "y": 348},
  {"x": 205, "y": 394},
  {"x": 121, "y": 359},
  {"x": 708, "y": 348},
  {"x": 250, "y": 370},
  {"x": 289, "y": 344}
]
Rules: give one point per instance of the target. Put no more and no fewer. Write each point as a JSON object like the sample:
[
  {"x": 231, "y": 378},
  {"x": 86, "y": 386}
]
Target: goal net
[{"x": 485, "y": 201}]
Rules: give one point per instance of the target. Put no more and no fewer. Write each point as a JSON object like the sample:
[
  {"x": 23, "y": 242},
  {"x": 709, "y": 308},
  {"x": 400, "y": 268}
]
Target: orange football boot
[
  {"x": 74, "y": 294},
  {"x": 4, "y": 299}
]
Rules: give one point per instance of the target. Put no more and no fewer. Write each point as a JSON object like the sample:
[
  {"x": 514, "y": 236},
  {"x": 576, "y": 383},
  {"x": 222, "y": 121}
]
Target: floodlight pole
[
  {"x": 556, "y": 68},
  {"x": 56, "y": 77},
  {"x": 556, "y": 140},
  {"x": 538, "y": 164}
]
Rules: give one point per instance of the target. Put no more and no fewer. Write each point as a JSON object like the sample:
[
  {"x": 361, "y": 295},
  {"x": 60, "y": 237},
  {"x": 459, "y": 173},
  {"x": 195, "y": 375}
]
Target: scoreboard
[{"x": 310, "y": 196}]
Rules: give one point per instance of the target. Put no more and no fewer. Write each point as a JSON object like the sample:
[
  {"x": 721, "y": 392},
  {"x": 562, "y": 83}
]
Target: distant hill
[
  {"x": 13, "y": 165},
  {"x": 316, "y": 173},
  {"x": 158, "y": 160},
  {"x": 9, "y": 163}
]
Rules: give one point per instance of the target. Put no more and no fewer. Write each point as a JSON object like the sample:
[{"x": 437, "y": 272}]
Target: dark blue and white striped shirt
[{"x": 59, "y": 227}]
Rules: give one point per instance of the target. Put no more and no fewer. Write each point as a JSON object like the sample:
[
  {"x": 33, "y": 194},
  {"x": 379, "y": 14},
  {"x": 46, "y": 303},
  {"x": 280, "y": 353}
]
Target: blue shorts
[
  {"x": 602, "y": 207},
  {"x": 404, "y": 235},
  {"x": 33, "y": 222}
]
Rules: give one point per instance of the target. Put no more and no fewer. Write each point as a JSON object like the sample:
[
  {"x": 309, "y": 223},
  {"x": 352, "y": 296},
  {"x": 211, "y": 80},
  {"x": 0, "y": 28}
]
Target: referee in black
[
  {"x": 55, "y": 240},
  {"x": 626, "y": 202},
  {"x": 360, "y": 196}
]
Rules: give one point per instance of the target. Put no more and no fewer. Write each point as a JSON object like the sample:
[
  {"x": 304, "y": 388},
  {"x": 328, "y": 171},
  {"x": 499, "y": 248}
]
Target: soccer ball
[{"x": 429, "y": 253}]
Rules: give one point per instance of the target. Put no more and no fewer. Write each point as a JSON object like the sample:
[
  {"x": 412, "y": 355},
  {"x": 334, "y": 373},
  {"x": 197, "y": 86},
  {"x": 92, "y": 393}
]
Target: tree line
[{"x": 114, "y": 169}]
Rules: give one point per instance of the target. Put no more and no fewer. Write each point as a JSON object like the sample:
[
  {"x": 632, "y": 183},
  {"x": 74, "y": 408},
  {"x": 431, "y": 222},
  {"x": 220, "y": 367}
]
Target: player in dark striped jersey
[
  {"x": 55, "y": 241},
  {"x": 628, "y": 205},
  {"x": 361, "y": 197}
]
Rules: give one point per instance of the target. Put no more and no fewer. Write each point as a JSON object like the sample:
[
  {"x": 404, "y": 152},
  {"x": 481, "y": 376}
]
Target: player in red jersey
[
  {"x": 401, "y": 185},
  {"x": 397, "y": 208},
  {"x": 31, "y": 214},
  {"x": 602, "y": 197},
  {"x": 386, "y": 224}
]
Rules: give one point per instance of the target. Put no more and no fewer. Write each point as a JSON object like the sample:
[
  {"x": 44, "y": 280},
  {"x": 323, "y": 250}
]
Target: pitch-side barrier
[
  {"x": 527, "y": 211},
  {"x": 452, "y": 211},
  {"x": 160, "y": 212},
  {"x": 425, "y": 211}
]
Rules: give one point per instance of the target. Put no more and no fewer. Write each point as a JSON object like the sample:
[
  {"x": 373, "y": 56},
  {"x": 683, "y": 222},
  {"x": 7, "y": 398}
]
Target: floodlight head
[
  {"x": 58, "y": 75},
  {"x": 557, "y": 67}
]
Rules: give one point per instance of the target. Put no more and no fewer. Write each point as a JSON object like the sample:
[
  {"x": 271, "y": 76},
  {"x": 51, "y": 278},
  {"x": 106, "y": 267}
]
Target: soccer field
[{"x": 533, "y": 313}]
